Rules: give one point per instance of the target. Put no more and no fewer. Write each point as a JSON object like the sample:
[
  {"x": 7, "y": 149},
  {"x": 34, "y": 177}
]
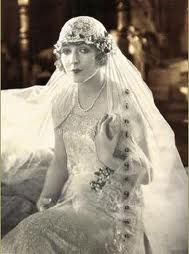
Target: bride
[{"x": 111, "y": 183}]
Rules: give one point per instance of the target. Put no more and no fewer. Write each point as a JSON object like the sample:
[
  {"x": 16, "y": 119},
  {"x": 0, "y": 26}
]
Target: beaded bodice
[
  {"x": 78, "y": 133},
  {"x": 120, "y": 196}
]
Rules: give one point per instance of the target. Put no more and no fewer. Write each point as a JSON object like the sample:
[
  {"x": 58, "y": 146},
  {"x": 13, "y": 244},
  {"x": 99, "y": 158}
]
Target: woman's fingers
[
  {"x": 105, "y": 124},
  {"x": 103, "y": 128},
  {"x": 103, "y": 119},
  {"x": 100, "y": 122}
]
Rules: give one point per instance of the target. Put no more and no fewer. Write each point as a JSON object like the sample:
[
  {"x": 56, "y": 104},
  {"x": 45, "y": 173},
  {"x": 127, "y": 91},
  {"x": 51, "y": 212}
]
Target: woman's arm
[
  {"x": 105, "y": 147},
  {"x": 106, "y": 143},
  {"x": 56, "y": 176}
]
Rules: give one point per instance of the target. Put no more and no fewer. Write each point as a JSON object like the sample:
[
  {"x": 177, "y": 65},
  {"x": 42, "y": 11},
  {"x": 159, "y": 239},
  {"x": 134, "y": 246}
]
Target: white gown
[{"x": 100, "y": 211}]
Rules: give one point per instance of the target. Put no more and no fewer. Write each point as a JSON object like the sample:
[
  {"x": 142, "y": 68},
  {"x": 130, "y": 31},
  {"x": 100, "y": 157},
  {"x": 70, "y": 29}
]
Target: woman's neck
[
  {"x": 90, "y": 91},
  {"x": 93, "y": 84}
]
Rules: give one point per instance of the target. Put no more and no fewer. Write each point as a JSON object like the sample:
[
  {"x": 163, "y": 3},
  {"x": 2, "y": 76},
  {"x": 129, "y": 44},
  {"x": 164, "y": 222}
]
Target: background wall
[{"x": 48, "y": 16}]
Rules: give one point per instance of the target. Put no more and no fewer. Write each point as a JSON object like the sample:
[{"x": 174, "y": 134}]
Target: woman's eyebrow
[
  {"x": 83, "y": 46},
  {"x": 67, "y": 44}
]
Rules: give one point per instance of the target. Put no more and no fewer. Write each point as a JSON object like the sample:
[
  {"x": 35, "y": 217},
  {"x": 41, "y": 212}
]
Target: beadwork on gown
[
  {"x": 107, "y": 219},
  {"x": 101, "y": 210}
]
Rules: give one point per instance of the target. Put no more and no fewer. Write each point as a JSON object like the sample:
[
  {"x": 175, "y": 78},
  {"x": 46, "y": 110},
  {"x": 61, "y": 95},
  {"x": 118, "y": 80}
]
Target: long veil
[
  {"x": 27, "y": 129},
  {"x": 165, "y": 214}
]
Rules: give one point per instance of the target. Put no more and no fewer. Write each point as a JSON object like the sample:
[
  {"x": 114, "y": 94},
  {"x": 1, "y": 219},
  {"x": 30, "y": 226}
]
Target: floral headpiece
[{"x": 84, "y": 29}]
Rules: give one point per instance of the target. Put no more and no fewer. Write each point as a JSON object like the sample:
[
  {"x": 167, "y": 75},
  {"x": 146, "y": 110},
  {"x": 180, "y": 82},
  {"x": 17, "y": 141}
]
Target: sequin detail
[{"x": 102, "y": 176}]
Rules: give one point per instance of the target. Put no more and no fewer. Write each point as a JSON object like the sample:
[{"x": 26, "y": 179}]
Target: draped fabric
[{"x": 151, "y": 138}]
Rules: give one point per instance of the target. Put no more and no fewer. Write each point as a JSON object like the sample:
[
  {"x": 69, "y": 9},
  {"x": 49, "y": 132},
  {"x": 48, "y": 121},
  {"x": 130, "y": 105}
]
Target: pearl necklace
[{"x": 95, "y": 99}]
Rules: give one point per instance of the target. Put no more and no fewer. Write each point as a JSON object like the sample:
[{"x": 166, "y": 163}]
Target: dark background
[{"x": 163, "y": 24}]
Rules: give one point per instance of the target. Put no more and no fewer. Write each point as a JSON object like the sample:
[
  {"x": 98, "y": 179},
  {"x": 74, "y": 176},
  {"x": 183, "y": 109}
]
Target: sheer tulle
[
  {"x": 84, "y": 221},
  {"x": 26, "y": 117}
]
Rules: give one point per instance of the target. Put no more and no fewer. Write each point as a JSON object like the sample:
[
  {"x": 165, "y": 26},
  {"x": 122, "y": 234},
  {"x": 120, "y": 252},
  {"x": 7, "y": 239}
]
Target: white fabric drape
[{"x": 27, "y": 129}]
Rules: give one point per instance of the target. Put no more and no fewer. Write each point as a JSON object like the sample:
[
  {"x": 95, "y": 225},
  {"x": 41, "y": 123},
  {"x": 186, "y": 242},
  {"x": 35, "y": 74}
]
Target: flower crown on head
[{"x": 84, "y": 29}]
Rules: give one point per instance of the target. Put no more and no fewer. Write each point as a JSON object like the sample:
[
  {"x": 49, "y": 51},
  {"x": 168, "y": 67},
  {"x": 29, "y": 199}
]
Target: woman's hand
[
  {"x": 44, "y": 203},
  {"x": 106, "y": 142}
]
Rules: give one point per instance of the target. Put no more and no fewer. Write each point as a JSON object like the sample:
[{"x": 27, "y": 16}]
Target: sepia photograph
[{"x": 94, "y": 127}]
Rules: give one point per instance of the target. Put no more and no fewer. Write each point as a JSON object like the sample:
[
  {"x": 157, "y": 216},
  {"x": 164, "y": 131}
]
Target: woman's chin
[{"x": 77, "y": 79}]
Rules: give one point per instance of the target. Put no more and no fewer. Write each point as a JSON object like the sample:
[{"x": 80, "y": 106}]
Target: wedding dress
[
  {"x": 101, "y": 211},
  {"x": 86, "y": 220}
]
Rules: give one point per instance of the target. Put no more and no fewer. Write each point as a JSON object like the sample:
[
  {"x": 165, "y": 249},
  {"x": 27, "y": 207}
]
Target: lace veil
[{"x": 27, "y": 129}]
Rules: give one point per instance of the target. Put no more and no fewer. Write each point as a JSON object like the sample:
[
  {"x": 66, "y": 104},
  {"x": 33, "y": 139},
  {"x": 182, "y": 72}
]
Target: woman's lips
[{"x": 75, "y": 71}]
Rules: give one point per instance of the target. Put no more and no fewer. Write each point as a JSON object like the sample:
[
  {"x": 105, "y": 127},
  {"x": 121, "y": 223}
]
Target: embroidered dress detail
[
  {"x": 102, "y": 176},
  {"x": 99, "y": 187},
  {"x": 109, "y": 220}
]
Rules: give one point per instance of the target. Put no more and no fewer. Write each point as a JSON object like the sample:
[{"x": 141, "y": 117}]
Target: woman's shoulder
[
  {"x": 56, "y": 101},
  {"x": 62, "y": 104}
]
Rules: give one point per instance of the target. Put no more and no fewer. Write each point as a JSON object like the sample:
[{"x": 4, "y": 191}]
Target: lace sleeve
[
  {"x": 135, "y": 160},
  {"x": 141, "y": 147},
  {"x": 132, "y": 148},
  {"x": 144, "y": 162}
]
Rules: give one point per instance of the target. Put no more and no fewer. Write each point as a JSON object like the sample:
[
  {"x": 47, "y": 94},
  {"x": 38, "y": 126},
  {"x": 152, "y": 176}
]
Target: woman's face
[{"x": 79, "y": 61}]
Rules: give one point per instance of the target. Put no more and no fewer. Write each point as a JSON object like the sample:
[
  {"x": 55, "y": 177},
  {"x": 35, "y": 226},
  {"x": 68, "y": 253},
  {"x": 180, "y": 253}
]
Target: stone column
[
  {"x": 122, "y": 10},
  {"x": 24, "y": 40}
]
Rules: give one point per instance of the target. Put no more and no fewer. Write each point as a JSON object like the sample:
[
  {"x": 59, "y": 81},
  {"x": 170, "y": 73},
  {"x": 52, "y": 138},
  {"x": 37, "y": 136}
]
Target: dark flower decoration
[
  {"x": 102, "y": 177},
  {"x": 81, "y": 36}
]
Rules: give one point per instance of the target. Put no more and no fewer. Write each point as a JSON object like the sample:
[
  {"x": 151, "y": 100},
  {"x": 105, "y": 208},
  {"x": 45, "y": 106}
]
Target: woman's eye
[
  {"x": 84, "y": 50},
  {"x": 66, "y": 51}
]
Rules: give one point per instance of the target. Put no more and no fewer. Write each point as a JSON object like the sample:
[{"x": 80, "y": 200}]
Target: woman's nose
[{"x": 74, "y": 57}]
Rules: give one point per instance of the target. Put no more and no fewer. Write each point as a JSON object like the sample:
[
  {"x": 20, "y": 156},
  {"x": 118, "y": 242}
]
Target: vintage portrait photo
[{"x": 94, "y": 127}]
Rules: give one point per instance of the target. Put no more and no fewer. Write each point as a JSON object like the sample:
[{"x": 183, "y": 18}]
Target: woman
[{"x": 107, "y": 143}]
